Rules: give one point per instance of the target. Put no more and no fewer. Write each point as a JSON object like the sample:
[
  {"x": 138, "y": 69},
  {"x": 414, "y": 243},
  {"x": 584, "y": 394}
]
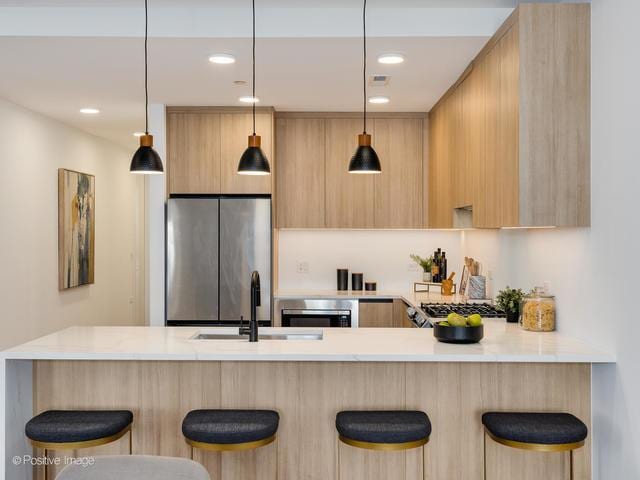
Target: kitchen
[{"x": 501, "y": 160}]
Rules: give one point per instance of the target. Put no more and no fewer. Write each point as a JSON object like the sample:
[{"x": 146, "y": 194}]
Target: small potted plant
[
  {"x": 426, "y": 264},
  {"x": 509, "y": 300}
]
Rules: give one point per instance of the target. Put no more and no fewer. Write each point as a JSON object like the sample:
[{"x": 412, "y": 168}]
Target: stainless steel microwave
[{"x": 318, "y": 313}]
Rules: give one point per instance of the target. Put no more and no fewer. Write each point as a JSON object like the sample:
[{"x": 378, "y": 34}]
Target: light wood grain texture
[
  {"x": 400, "y": 317},
  {"x": 398, "y": 188},
  {"x": 193, "y": 152},
  {"x": 300, "y": 187},
  {"x": 234, "y": 131},
  {"x": 440, "y": 169},
  {"x": 349, "y": 197},
  {"x": 375, "y": 314},
  {"x": 555, "y": 114},
  {"x": 532, "y": 167},
  {"x": 308, "y": 396}
]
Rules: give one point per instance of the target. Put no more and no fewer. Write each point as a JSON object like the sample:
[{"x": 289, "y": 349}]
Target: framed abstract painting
[{"x": 76, "y": 228}]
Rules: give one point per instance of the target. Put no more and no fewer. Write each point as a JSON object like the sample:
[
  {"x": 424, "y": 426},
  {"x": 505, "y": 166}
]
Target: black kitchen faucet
[{"x": 252, "y": 330}]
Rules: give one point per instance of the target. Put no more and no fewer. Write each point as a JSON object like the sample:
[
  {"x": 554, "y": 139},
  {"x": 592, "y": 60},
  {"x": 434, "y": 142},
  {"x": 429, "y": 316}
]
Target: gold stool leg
[
  {"x": 131, "y": 442},
  {"x": 277, "y": 449},
  {"x": 45, "y": 464},
  {"x": 423, "y": 464},
  {"x": 338, "y": 446},
  {"x": 570, "y": 464},
  {"x": 191, "y": 452},
  {"x": 484, "y": 454}
]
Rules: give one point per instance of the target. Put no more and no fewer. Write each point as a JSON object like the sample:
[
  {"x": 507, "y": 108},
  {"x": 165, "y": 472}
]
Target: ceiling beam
[{"x": 207, "y": 22}]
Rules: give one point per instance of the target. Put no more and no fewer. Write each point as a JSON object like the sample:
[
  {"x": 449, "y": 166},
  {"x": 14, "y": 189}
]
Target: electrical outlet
[
  {"x": 302, "y": 267},
  {"x": 546, "y": 286},
  {"x": 489, "y": 275},
  {"x": 412, "y": 267}
]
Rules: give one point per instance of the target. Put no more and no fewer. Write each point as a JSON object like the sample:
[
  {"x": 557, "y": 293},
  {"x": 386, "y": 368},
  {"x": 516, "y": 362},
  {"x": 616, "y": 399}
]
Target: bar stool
[
  {"x": 383, "y": 430},
  {"x": 75, "y": 429},
  {"x": 540, "y": 432},
  {"x": 230, "y": 430}
]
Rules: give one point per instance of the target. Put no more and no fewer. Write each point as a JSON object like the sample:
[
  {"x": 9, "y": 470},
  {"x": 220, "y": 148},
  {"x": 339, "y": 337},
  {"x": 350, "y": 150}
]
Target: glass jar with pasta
[{"x": 538, "y": 311}]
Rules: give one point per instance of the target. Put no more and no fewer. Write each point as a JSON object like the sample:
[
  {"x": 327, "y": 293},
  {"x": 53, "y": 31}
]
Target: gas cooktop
[{"x": 442, "y": 310}]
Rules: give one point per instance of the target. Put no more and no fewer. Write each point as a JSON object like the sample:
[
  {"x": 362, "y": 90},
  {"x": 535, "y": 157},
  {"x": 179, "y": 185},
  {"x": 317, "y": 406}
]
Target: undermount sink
[{"x": 261, "y": 336}]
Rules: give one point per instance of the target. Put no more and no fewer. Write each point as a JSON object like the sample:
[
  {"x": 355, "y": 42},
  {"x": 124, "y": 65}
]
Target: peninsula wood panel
[
  {"x": 300, "y": 186},
  {"x": 308, "y": 395},
  {"x": 193, "y": 152},
  {"x": 235, "y": 129},
  {"x": 400, "y": 317},
  {"x": 375, "y": 314},
  {"x": 349, "y": 197},
  {"x": 398, "y": 188}
]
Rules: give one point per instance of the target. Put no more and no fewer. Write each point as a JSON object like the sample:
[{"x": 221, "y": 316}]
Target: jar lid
[{"x": 538, "y": 292}]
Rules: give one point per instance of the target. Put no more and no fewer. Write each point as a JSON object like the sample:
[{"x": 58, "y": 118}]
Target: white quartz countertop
[{"x": 502, "y": 343}]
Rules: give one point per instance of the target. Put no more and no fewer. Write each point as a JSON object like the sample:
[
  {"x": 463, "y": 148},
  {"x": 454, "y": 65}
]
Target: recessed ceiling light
[
  {"x": 379, "y": 99},
  {"x": 390, "y": 58},
  {"x": 89, "y": 111},
  {"x": 222, "y": 58},
  {"x": 138, "y": 134},
  {"x": 249, "y": 99},
  {"x": 239, "y": 82}
]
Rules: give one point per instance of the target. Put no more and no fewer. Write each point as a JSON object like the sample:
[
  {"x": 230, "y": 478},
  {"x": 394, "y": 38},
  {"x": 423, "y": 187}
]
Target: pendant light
[
  {"x": 365, "y": 160},
  {"x": 253, "y": 160},
  {"x": 146, "y": 160}
]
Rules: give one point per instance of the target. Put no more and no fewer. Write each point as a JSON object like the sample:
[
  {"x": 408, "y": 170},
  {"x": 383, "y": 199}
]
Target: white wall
[
  {"x": 383, "y": 256},
  {"x": 32, "y": 148},
  {"x": 594, "y": 272}
]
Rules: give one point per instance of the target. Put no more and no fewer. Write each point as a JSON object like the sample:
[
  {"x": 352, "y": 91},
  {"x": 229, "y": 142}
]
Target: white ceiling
[{"x": 92, "y": 56}]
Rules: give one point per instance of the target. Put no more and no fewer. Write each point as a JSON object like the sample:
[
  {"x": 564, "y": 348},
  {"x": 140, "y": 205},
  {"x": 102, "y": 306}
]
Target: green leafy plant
[
  {"x": 425, "y": 263},
  {"x": 509, "y": 299}
]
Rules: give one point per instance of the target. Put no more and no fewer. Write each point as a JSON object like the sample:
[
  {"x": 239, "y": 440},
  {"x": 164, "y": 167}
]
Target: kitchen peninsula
[{"x": 161, "y": 373}]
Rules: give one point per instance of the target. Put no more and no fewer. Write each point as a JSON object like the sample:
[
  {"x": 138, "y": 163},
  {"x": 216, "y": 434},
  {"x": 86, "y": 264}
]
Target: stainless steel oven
[{"x": 325, "y": 313}]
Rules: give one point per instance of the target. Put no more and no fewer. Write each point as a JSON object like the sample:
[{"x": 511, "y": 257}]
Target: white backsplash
[{"x": 382, "y": 255}]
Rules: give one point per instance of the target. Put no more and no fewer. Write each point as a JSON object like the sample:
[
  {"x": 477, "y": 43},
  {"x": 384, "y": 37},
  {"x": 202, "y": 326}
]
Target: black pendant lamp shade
[
  {"x": 365, "y": 160},
  {"x": 253, "y": 160},
  {"x": 146, "y": 160}
]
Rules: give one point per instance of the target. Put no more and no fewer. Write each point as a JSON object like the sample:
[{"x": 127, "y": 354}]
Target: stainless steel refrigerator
[{"x": 213, "y": 245}]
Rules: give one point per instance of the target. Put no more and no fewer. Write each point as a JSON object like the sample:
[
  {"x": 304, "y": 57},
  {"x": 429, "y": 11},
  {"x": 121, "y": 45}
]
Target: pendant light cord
[
  {"x": 253, "y": 9},
  {"x": 364, "y": 66},
  {"x": 146, "y": 87}
]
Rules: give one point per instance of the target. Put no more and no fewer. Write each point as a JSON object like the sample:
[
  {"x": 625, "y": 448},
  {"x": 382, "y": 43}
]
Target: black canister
[
  {"x": 343, "y": 279},
  {"x": 356, "y": 282},
  {"x": 370, "y": 286}
]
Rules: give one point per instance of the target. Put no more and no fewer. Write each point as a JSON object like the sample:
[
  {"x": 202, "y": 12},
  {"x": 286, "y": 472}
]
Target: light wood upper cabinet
[
  {"x": 521, "y": 114},
  {"x": 204, "y": 146},
  {"x": 234, "y": 131},
  {"x": 349, "y": 197},
  {"x": 398, "y": 188},
  {"x": 300, "y": 186},
  {"x": 193, "y": 153}
]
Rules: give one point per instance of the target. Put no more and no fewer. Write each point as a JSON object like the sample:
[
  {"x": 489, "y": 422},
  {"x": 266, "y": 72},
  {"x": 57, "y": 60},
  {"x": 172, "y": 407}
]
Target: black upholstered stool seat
[
  {"x": 383, "y": 427},
  {"x": 227, "y": 427},
  {"x": 535, "y": 428},
  {"x": 71, "y": 426}
]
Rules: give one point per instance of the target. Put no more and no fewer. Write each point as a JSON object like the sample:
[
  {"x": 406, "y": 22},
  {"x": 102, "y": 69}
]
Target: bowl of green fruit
[{"x": 459, "y": 329}]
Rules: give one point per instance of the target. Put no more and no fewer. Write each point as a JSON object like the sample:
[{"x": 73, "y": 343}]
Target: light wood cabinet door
[
  {"x": 375, "y": 314},
  {"x": 440, "y": 169},
  {"x": 193, "y": 152},
  {"x": 349, "y": 197},
  {"x": 300, "y": 184},
  {"x": 398, "y": 188},
  {"x": 400, "y": 317},
  {"x": 235, "y": 129}
]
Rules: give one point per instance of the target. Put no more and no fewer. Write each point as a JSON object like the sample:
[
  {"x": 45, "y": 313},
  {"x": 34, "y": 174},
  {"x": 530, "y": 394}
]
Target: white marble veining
[{"x": 502, "y": 343}]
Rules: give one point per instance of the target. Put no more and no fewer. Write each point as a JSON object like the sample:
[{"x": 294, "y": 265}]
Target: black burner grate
[{"x": 442, "y": 310}]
